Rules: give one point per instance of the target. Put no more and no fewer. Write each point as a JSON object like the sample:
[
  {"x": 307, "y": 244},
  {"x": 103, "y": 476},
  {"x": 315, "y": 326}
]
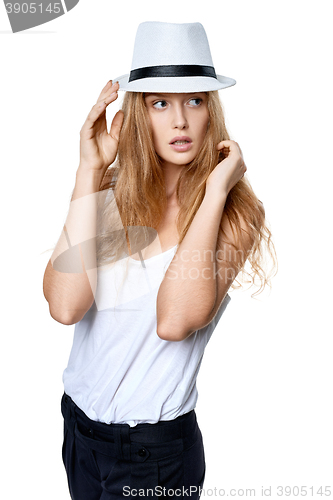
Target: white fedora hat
[{"x": 170, "y": 57}]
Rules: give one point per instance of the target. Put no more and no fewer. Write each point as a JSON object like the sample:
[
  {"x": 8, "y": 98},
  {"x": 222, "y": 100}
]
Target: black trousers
[{"x": 116, "y": 461}]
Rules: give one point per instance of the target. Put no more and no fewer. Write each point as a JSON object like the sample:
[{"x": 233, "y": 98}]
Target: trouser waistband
[{"x": 140, "y": 443}]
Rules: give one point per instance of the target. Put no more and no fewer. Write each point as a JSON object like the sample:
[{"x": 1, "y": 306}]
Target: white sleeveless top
[{"x": 119, "y": 370}]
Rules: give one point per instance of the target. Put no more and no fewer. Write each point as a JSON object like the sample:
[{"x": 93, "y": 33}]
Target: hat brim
[{"x": 174, "y": 84}]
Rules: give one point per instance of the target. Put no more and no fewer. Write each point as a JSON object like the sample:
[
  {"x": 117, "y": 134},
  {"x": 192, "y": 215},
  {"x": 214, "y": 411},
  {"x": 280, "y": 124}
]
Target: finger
[
  {"x": 116, "y": 125},
  {"x": 106, "y": 100},
  {"x": 240, "y": 151},
  {"x": 108, "y": 90},
  {"x": 110, "y": 96},
  {"x": 227, "y": 144},
  {"x": 230, "y": 147},
  {"x": 97, "y": 111},
  {"x": 107, "y": 86}
]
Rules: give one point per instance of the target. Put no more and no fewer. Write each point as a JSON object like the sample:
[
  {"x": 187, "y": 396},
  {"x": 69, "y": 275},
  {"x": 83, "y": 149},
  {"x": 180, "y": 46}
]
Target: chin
[{"x": 180, "y": 160}]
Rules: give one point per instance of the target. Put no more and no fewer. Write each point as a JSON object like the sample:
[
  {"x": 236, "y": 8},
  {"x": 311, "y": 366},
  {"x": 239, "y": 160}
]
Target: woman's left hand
[{"x": 230, "y": 170}]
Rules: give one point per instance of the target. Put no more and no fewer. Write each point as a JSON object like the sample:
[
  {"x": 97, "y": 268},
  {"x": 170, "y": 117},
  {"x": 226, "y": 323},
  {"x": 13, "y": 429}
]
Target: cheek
[
  {"x": 157, "y": 132},
  {"x": 155, "y": 136}
]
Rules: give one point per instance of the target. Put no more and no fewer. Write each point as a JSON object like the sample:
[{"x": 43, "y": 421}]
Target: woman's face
[{"x": 179, "y": 123}]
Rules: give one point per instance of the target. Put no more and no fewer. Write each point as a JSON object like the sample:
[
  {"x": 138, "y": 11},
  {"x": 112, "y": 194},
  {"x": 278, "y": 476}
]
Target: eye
[
  {"x": 159, "y": 104},
  {"x": 196, "y": 101}
]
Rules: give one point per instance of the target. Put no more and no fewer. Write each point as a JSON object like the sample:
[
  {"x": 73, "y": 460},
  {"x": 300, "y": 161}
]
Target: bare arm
[
  {"x": 194, "y": 284},
  {"x": 70, "y": 277},
  {"x": 70, "y": 294}
]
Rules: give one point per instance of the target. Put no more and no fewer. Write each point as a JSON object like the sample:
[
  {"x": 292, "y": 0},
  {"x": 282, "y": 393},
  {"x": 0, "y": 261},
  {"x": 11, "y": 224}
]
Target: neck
[{"x": 171, "y": 176}]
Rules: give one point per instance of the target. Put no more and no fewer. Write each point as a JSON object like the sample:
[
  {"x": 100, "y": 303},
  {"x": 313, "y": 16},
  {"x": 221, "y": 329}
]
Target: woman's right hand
[{"x": 98, "y": 147}]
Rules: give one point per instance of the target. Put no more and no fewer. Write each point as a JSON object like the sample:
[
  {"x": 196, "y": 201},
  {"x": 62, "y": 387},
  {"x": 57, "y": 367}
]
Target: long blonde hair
[{"x": 139, "y": 195}]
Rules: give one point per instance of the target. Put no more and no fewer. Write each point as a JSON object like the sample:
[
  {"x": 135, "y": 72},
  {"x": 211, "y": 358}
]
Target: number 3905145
[{"x": 32, "y": 8}]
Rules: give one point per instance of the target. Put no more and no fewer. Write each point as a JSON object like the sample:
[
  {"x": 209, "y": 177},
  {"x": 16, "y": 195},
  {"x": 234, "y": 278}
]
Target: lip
[{"x": 181, "y": 147}]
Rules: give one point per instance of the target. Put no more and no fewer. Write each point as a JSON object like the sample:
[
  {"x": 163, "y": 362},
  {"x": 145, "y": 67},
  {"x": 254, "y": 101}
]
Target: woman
[{"x": 148, "y": 253}]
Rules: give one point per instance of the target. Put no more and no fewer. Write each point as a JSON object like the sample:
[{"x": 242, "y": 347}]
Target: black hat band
[{"x": 173, "y": 71}]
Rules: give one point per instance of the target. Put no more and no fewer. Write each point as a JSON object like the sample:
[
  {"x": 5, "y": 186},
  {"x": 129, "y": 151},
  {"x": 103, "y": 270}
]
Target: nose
[{"x": 179, "y": 117}]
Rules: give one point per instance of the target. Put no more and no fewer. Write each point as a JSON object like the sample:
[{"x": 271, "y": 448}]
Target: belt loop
[
  {"x": 117, "y": 440},
  {"x": 122, "y": 441},
  {"x": 126, "y": 442}
]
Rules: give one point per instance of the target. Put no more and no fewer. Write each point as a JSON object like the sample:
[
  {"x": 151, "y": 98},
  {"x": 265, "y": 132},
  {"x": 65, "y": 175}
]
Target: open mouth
[{"x": 180, "y": 142}]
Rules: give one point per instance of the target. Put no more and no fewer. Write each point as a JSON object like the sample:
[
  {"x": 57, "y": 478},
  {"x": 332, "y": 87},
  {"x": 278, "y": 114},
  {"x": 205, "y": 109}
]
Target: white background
[{"x": 265, "y": 386}]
